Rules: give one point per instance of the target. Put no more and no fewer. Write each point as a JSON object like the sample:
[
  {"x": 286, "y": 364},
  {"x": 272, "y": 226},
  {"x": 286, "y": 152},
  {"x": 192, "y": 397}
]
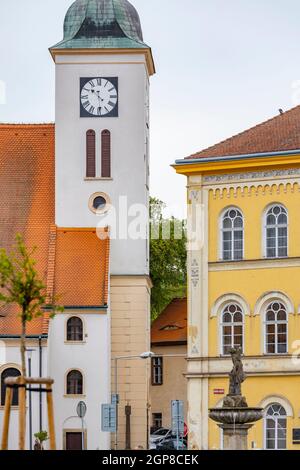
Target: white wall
[
  {"x": 93, "y": 359},
  {"x": 129, "y": 150},
  {"x": 13, "y": 358}
]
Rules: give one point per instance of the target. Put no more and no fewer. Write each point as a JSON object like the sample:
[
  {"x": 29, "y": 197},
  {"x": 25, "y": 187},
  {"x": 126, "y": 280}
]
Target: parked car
[
  {"x": 158, "y": 436},
  {"x": 170, "y": 443}
]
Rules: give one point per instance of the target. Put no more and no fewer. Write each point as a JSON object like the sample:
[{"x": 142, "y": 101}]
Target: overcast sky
[{"x": 222, "y": 66}]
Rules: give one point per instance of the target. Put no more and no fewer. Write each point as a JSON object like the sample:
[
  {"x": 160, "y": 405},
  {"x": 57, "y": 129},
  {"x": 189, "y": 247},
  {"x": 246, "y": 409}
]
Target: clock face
[{"x": 99, "y": 97}]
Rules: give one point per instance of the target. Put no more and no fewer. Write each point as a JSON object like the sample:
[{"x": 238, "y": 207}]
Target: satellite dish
[{"x": 81, "y": 409}]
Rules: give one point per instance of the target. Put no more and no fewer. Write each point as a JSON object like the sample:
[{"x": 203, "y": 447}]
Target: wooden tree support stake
[{"x": 20, "y": 383}]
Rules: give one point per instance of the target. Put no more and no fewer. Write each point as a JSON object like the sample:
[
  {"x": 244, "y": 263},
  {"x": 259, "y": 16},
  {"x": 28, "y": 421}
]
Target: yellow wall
[
  {"x": 256, "y": 389},
  {"x": 251, "y": 284},
  {"x": 270, "y": 378},
  {"x": 253, "y": 207}
]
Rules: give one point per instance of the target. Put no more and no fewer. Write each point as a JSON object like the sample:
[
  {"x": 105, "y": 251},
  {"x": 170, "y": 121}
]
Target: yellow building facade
[{"x": 243, "y": 288}]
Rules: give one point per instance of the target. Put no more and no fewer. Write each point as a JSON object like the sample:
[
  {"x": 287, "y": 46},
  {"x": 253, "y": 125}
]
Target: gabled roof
[
  {"x": 27, "y": 206},
  {"x": 171, "y": 325},
  {"x": 279, "y": 134}
]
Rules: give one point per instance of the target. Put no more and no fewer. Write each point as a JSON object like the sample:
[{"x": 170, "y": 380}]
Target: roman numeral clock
[{"x": 99, "y": 97}]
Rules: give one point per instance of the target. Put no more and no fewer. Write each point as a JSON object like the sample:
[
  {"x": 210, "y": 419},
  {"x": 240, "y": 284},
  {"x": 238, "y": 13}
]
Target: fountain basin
[{"x": 236, "y": 416}]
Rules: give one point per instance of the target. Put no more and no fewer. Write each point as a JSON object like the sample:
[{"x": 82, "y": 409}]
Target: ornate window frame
[
  {"x": 260, "y": 309},
  {"x": 221, "y": 326},
  {"x": 276, "y": 427},
  {"x": 221, "y": 232},
  {"x": 264, "y": 230}
]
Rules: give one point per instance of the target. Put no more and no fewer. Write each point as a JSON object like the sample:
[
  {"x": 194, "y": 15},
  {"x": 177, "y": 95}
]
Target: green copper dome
[{"x": 98, "y": 24}]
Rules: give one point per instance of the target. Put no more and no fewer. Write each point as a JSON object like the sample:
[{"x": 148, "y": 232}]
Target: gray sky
[{"x": 222, "y": 66}]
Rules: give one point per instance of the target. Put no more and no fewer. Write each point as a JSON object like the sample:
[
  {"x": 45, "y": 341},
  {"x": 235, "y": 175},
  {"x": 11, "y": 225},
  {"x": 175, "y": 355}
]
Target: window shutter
[
  {"x": 91, "y": 154},
  {"x": 106, "y": 154}
]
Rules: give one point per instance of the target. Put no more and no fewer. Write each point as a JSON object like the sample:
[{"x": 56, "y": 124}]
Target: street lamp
[{"x": 143, "y": 356}]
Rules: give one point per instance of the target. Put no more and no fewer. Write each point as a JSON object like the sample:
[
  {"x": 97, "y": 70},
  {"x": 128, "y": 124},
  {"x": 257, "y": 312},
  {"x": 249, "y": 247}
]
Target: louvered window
[
  {"x": 105, "y": 154},
  {"x": 91, "y": 154}
]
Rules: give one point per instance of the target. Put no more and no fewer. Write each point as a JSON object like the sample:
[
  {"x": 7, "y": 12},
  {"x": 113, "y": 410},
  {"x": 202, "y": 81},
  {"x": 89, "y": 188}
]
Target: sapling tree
[{"x": 21, "y": 285}]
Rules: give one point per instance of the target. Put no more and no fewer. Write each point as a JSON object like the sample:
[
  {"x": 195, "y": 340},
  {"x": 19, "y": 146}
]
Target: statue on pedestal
[{"x": 237, "y": 376}]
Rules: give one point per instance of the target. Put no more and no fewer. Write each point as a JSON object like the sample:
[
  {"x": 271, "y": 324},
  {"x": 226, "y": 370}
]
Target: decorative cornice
[
  {"x": 254, "y": 188},
  {"x": 216, "y": 266},
  {"x": 248, "y": 176}
]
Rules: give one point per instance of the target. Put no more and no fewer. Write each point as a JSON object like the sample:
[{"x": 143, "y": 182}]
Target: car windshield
[{"x": 160, "y": 432}]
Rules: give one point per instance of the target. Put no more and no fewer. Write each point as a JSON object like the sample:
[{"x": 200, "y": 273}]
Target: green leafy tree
[
  {"x": 20, "y": 284},
  {"x": 167, "y": 258}
]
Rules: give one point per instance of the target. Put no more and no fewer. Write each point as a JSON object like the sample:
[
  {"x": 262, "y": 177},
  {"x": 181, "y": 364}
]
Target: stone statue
[{"x": 237, "y": 376}]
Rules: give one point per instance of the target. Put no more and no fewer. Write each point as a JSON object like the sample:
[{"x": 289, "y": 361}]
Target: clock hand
[{"x": 98, "y": 95}]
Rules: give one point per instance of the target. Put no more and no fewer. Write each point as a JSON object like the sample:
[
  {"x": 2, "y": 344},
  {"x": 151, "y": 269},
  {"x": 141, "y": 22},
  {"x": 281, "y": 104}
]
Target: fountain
[{"x": 235, "y": 417}]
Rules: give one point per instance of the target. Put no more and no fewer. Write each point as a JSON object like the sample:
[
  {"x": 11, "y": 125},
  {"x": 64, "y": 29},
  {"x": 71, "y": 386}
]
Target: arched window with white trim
[
  {"x": 275, "y": 427},
  {"x": 232, "y": 235},
  {"x": 232, "y": 328},
  {"x": 276, "y": 232},
  {"x": 276, "y": 329}
]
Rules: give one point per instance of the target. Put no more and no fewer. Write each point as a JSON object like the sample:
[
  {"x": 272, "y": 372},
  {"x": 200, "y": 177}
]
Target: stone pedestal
[{"x": 235, "y": 437}]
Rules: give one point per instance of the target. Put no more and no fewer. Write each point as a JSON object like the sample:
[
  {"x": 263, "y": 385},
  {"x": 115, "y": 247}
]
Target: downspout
[{"x": 40, "y": 375}]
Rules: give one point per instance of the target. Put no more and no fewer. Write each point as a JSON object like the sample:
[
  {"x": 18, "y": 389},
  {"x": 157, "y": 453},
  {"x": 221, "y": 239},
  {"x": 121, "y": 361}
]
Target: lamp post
[
  {"x": 143, "y": 356},
  {"x": 29, "y": 355}
]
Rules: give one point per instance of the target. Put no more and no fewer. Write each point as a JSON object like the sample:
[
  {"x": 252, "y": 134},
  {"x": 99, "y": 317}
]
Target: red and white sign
[{"x": 219, "y": 391}]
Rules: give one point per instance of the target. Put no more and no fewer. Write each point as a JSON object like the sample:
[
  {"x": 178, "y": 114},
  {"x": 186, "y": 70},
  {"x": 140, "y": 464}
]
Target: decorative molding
[
  {"x": 247, "y": 176},
  {"x": 194, "y": 195},
  {"x": 284, "y": 402},
  {"x": 195, "y": 272},
  {"x": 273, "y": 296},
  {"x": 225, "y": 299},
  {"x": 248, "y": 189},
  {"x": 252, "y": 183},
  {"x": 220, "y": 266}
]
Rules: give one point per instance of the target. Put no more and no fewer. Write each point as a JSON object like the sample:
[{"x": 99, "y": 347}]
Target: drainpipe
[{"x": 40, "y": 374}]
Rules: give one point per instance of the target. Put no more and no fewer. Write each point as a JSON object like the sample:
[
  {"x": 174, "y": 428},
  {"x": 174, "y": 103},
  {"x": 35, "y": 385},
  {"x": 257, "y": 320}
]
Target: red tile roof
[
  {"x": 275, "y": 135},
  {"x": 81, "y": 267},
  {"x": 27, "y": 207},
  {"x": 171, "y": 326}
]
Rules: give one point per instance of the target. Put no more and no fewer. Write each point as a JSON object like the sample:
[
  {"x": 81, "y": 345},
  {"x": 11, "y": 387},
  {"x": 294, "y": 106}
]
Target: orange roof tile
[
  {"x": 26, "y": 199},
  {"x": 171, "y": 325},
  {"x": 81, "y": 267},
  {"x": 27, "y": 206},
  {"x": 275, "y": 135}
]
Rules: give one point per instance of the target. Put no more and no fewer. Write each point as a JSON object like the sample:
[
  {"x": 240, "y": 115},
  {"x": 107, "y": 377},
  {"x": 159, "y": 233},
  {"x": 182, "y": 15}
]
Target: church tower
[{"x": 103, "y": 68}]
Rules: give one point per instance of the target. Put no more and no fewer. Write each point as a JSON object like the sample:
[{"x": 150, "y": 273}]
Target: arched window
[
  {"x": 74, "y": 383},
  {"x": 9, "y": 372},
  {"x": 232, "y": 328},
  {"x": 276, "y": 229},
  {"x": 275, "y": 427},
  {"x": 105, "y": 154},
  {"x": 74, "y": 329},
  {"x": 232, "y": 235},
  {"x": 90, "y": 154},
  {"x": 276, "y": 329}
]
